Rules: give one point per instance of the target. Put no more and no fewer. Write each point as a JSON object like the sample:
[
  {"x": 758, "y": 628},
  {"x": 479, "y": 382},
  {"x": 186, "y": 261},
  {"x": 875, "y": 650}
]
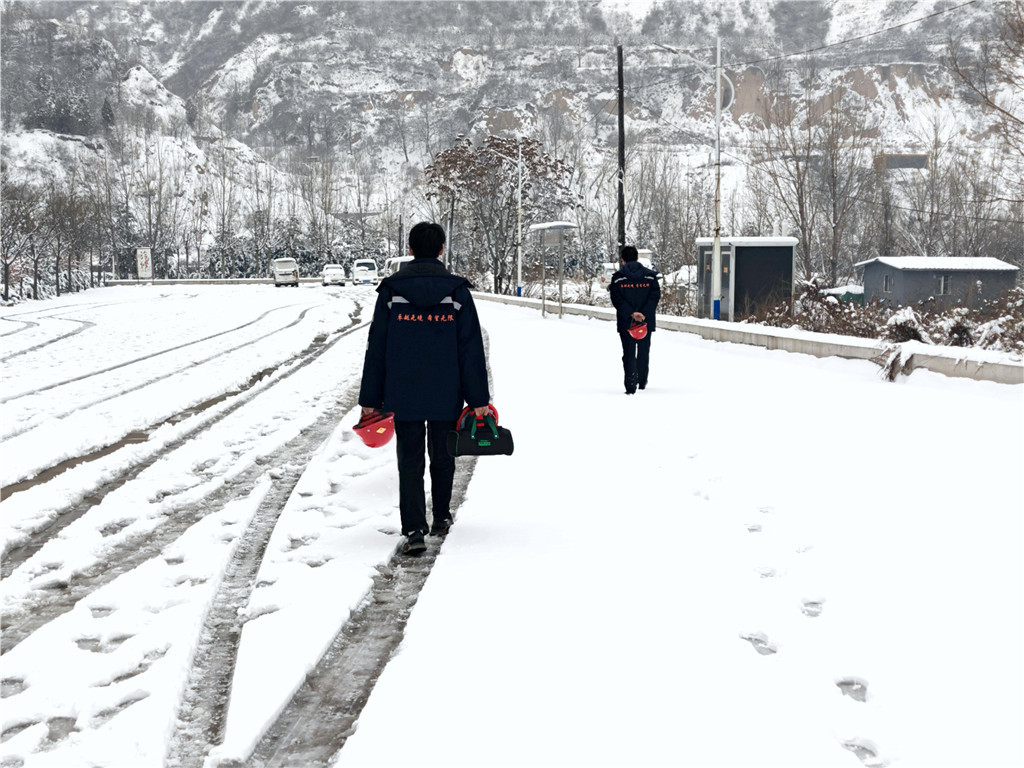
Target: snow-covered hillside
[{"x": 338, "y": 108}]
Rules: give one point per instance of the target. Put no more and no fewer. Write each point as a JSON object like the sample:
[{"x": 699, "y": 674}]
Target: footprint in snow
[
  {"x": 761, "y": 643},
  {"x": 866, "y": 751},
  {"x": 854, "y": 687},
  {"x": 11, "y": 686},
  {"x": 812, "y": 608}
]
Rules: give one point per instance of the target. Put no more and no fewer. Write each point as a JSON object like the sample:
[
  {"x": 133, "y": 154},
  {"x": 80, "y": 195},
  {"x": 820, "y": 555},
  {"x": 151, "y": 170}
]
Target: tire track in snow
[
  {"x": 141, "y": 434},
  {"x": 84, "y": 325},
  {"x": 189, "y": 367},
  {"x": 203, "y": 710},
  {"x": 321, "y": 716},
  {"x": 125, "y": 364},
  {"x": 26, "y": 324},
  {"x": 59, "y": 597},
  {"x": 31, "y": 324},
  {"x": 316, "y": 723}
]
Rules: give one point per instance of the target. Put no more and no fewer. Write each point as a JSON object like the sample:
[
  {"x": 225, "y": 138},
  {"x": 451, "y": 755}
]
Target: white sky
[{"x": 589, "y": 606}]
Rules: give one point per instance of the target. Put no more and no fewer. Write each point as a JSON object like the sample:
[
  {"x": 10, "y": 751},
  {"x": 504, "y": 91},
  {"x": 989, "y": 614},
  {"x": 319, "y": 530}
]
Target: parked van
[
  {"x": 285, "y": 272},
  {"x": 364, "y": 272},
  {"x": 393, "y": 265}
]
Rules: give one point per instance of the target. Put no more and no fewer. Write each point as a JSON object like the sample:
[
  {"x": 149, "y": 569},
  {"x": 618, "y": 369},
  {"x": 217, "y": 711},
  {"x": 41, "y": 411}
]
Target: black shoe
[
  {"x": 440, "y": 526},
  {"x": 414, "y": 544},
  {"x": 631, "y": 384},
  {"x": 642, "y": 385}
]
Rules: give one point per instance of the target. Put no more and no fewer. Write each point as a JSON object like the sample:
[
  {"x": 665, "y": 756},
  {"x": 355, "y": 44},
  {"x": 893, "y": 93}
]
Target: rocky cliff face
[
  {"x": 378, "y": 88},
  {"x": 292, "y": 74}
]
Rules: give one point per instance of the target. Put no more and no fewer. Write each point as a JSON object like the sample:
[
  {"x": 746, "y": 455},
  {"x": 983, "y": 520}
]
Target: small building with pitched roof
[{"x": 950, "y": 280}]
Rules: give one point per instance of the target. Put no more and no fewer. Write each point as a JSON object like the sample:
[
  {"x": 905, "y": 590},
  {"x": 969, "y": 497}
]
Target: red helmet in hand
[
  {"x": 638, "y": 329},
  {"x": 377, "y": 429}
]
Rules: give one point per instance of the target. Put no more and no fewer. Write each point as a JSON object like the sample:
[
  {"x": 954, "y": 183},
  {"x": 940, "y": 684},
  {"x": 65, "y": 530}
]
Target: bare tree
[
  {"x": 844, "y": 174},
  {"x": 483, "y": 182},
  {"x": 19, "y": 222},
  {"x": 789, "y": 152},
  {"x": 993, "y": 72}
]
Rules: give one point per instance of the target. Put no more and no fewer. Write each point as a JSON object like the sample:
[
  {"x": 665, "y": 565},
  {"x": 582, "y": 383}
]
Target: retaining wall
[{"x": 950, "y": 361}]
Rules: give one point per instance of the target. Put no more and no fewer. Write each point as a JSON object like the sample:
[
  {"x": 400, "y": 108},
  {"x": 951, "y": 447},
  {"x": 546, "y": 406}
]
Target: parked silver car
[{"x": 333, "y": 274}]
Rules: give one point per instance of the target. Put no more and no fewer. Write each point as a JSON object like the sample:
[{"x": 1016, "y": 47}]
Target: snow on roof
[
  {"x": 749, "y": 241},
  {"x": 948, "y": 263},
  {"x": 552, "y": 225},
  {"x": 839, "y": 290}
]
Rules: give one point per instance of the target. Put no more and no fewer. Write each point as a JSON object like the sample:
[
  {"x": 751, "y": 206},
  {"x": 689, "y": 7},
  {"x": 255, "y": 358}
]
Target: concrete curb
[
  {"x": 210, "y": 281},
  {"x": 949, "y": 361}
]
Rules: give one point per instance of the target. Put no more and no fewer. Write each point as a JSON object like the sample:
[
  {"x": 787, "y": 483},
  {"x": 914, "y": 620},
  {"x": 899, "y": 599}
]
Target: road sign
[{"x": 144, "y": 263}]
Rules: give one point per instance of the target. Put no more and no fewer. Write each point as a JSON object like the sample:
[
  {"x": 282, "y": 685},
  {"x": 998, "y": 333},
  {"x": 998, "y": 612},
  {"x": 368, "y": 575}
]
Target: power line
[
  {"x": 812, "y": 50},
  {"x": 854, "y": 39},
  {"x": 891, "y": 205}
]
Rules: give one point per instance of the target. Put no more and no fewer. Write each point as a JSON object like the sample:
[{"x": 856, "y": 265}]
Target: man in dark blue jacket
[
  {"x": 424, "y": 359},
  {"x": 635, "y": 293}
]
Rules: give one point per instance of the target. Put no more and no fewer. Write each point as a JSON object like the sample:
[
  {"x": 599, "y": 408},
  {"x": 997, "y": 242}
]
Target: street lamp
[
  {"x": 519, "y": 217},
  {"x": 720, "y": 105}
]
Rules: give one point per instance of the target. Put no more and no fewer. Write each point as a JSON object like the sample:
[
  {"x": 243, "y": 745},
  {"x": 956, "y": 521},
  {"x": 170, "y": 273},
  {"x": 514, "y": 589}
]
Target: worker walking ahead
[
  {"x": 635, "y": 293},
  {"x": 424, "y": 358}
]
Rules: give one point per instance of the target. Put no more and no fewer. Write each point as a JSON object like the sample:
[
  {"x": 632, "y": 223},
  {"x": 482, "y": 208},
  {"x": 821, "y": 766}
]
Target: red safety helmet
[
  {"x": 638, "y": 329},
  {"x": 467, "y": 414},
  {"x": 376, "y": 429}
]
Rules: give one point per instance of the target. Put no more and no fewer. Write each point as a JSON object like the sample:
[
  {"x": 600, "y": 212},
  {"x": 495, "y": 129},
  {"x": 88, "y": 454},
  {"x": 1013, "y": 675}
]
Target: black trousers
[
  {"x": 410, "y": 437},
  {"x": 636, "y": 359}
]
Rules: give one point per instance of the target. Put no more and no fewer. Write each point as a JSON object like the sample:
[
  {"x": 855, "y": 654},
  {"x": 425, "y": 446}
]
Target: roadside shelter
[{"x": 755, "y": 271}]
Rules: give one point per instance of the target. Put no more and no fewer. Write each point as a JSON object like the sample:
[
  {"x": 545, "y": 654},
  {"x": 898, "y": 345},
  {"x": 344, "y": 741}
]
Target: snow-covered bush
[
  {"x": 906, "y": 325},
  {"x": 956, "y": 328},
  {"x": 1003, "y": 330},
  {"x": 998, "y": 325}
]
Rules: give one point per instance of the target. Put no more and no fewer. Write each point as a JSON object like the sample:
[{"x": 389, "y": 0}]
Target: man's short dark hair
[
  {"x": 629, "y": 253},
  {"x": 426, "y": 240}
]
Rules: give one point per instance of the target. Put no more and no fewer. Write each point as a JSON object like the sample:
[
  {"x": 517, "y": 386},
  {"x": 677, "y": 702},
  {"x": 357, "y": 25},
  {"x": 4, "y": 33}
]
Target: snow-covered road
[{"x": 762, "y": 559}]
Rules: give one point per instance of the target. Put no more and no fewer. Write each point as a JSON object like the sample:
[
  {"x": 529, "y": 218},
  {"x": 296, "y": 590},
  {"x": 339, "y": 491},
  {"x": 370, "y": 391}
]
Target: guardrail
[{"x": 964, "y": 362}]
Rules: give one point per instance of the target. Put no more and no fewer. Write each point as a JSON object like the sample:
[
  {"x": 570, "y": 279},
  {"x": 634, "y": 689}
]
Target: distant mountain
[{"x": 379, "y": 88}]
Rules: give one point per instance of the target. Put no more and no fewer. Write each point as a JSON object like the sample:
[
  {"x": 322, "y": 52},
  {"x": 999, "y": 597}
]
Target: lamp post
[
  {"x": 519, "y": 217},
  {"x": 720, "y": 105},
  {"x": 716, "y": 250}
]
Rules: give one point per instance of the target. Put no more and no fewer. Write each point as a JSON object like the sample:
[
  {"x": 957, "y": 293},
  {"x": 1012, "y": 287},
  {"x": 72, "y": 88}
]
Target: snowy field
[{"x": 764, "y": 559}]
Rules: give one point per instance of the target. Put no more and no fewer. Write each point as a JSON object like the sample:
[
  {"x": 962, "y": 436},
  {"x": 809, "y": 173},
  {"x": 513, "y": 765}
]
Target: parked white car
[
  {"x": 333, "y": 274},
  {"x": 364, "y": 272},
  {"x": 285, "y": 272},
  {"x": 393, "y": 265}
]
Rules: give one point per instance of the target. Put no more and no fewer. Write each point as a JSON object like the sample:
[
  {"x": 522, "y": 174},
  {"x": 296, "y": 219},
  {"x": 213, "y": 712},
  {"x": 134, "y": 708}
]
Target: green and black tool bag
[{"x": 479, "y": 436}]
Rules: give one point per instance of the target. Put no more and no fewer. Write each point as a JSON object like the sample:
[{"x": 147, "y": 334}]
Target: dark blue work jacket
[
  {"x": 634, "y": 288},
  {"x": 425, "y": 354}
]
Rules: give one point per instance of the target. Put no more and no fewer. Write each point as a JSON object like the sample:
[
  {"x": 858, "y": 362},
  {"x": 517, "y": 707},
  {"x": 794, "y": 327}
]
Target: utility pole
[
  {"x": 716, "y": 253},
  {"x": 451, "y": 233},
  {"x": 622, "y": 158},
  {"x": 519, "y": 218}
]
